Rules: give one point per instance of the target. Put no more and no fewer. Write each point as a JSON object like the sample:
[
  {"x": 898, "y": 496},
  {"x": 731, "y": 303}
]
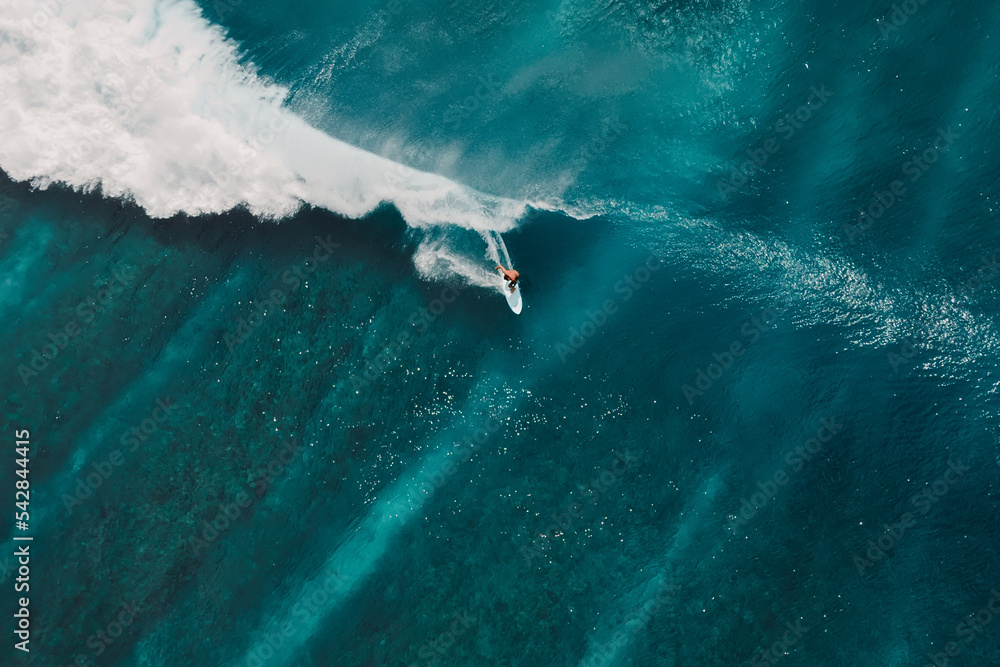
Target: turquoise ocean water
[{"x": 281, "y": 415}]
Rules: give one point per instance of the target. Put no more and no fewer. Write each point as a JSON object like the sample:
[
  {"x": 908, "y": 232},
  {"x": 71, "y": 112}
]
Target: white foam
[
  {"x": 443, "y": 254},
  {"x": 147, "y": 100}
]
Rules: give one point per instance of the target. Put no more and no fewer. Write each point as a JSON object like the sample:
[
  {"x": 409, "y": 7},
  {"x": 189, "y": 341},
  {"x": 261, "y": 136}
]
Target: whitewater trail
[{"x": 146, "y": 100}]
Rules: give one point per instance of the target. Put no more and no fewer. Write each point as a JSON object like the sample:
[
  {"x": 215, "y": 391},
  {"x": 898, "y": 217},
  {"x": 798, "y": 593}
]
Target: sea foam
[{"x": 146, "y": 100}]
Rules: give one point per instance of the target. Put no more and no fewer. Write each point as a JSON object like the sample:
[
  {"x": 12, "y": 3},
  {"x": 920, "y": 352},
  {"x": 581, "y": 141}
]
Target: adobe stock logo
[
  {"x": 87, "y": 311},
  {"x": 885, "y": 543},
  {"x": 294, "y": 277},
  {"x": 596, "y": 319},
  {"x": 89, "y": 482},
  {"x": 795, "y": 461},
  {"x": 780, "y": 648},
  {"x": 967, "y": 630},
  {"x": 914, "y": 170},
  {"x": 725, "y": 360},
  {"x": 102, "y": 639},
  {"x": 459, "y": 111},
  {"x": 900, "y": 14},
  {"x": 785, "y": 128},
  {"x": 636, "y": 620},
  {"x": 432, "y": 651},
  {"x": 229, "y": 514},
  {"x": 563, "y": 521}
]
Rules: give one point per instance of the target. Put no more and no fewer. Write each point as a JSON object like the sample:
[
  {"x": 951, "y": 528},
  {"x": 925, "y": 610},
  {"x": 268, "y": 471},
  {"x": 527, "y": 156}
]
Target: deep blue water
[{"x": 747, "y": 416}]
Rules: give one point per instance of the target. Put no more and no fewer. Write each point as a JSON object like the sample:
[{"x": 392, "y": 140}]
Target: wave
[{"x": 146, "y": 100}]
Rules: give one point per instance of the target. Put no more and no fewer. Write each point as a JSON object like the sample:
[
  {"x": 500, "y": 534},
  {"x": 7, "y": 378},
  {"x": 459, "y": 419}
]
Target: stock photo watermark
[
  {"x": 596, "y": 319},
  {"x": 87, "y": 484},
  {"x": 329, "y": 583},
  {"x": 40, "y": 19},
  {"x": 229, "y": 514},
  {"x": 563, "y": 519},
  {"x": 984, "y": 274},
  {"x": 420, "y": 319},
  {"x": 901, "y": 356},
  {"x": 106, "y": 637},
  {"x": 259, "y": 138},
  {"x": 783, "y": 131},
  {"x": 795, "y": 460},
  {"x": 899, "y": 16},
  {"x": 750, "y": 331},
  {"x": 293, "y": 278},
  {"x": 125, "y": 100},
  {"x": 886, "y": 542},
  {"x": 430, "y": 481},
  {"x": 87, "y": 312},
  {"x": 913, "y": 170},
  {"x": 432, "y": 651},
  {"x": 637, "y": 619},
  {"x": 782, "y": 647},
  {"x": 967, "y": 630},
  {"x": 485, "y": 89}
]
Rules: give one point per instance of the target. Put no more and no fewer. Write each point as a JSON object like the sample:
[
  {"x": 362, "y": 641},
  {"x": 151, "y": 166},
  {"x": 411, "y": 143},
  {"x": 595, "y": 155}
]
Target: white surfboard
[{"x": 513, "y": 299}]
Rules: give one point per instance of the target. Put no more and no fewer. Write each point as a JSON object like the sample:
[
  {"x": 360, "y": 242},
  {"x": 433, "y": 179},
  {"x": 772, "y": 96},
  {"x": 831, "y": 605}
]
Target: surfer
[{"x": 510, "y": 276}]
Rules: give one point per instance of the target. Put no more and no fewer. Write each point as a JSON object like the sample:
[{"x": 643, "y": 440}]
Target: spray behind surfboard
[
  {"x": 449, "y": 253},
  {"x": 496, "y": 252}
]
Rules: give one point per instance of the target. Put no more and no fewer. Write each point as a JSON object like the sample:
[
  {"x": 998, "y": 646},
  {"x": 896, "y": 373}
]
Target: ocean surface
[{"x": 280, "y": 414}]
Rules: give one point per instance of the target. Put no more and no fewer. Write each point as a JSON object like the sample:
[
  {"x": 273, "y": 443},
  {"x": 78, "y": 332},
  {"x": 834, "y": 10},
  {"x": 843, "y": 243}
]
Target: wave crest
[{"x": 147, "y": 100}]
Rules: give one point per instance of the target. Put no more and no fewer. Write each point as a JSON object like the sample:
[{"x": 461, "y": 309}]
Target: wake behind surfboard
[
  {"x": 496, "y": 251},
  {"x": 513, "y": 299}
]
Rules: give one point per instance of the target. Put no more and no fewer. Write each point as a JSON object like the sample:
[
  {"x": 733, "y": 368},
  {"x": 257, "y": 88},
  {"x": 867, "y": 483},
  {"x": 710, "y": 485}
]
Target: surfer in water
[{"x": 510, "y": 276}]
